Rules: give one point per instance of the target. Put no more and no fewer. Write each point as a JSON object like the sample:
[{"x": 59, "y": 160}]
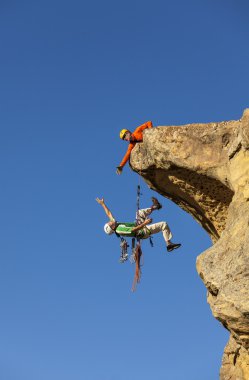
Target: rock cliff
[{"x": 204, "y": 168}]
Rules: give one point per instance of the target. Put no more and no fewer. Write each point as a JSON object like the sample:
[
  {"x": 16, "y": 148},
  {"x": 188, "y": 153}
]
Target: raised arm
[{"x": 106, "y": 209}]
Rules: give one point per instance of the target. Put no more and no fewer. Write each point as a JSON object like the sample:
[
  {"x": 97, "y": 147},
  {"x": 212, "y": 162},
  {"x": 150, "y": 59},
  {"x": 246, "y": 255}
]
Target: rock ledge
[{"x": 204, "y": 168}]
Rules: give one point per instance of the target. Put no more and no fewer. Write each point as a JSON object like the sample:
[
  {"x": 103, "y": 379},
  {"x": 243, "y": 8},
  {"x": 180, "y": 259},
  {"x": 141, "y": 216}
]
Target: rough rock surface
[{"x": 204, "y": 168}]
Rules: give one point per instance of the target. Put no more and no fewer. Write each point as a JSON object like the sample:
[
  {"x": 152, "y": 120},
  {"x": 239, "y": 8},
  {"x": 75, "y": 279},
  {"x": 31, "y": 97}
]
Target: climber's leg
[
  {"x": 142, "y": 214},
  {"x": 163, "y": 227},
  {"x": 167, "y": 235}
]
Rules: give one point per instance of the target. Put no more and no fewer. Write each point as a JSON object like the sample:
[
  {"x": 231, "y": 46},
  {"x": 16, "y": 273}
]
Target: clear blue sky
[{"x": 72, "y": 74}]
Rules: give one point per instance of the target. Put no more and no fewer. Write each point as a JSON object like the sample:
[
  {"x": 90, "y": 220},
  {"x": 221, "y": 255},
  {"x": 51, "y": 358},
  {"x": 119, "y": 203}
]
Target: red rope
[{"x": 137, "y": 276}]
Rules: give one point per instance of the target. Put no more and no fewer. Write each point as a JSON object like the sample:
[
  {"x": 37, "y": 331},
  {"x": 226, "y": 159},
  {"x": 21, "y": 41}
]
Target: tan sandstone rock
[{"x": 204, "y": 168}]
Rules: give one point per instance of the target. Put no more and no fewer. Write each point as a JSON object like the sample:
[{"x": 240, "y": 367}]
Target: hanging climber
[
  {"x": 133, "y": 138},
  {"x": 143, "y": 229}
]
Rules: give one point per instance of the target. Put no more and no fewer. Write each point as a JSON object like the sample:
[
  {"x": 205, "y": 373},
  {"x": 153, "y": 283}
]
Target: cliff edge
[{"x": 204, "y": 168}]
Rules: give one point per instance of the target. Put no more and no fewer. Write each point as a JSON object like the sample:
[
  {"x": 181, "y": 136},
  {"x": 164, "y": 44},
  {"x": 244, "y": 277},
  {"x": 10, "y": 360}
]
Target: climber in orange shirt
[{"x": 133, "y": 138}]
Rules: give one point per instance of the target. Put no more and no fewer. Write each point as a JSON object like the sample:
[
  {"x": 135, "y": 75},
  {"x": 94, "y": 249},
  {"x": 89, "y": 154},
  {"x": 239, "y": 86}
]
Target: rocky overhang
[{"x": 204, "y": 168}]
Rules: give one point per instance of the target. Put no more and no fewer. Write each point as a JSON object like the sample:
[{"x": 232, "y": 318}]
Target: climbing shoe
[
  {"x": 173, "y": 246},
  {"x": 156, "y": 205}
]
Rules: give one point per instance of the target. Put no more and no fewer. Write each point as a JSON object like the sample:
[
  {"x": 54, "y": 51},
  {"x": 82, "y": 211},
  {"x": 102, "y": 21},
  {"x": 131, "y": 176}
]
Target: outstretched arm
[
  {"x": 106, "y": 209},
  {"x": 126, "y": 156}
]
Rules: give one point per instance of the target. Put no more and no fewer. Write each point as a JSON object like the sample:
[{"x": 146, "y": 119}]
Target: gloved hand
[{"x": 119, "y": 170}]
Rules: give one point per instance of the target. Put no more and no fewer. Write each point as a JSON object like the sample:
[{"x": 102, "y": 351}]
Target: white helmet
[{"x": 108, "y": 230}]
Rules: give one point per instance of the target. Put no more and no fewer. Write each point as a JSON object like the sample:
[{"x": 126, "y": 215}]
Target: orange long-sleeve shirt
[{"x": 137, "y": 135}]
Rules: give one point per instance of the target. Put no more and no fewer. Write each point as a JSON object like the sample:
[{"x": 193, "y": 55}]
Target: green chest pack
[{"x": 125, "y": 229}]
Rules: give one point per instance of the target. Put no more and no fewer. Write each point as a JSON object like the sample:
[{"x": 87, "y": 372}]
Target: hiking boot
[
  {"x": 156, "y": 205},
  {"x": 173, "y": 246}
]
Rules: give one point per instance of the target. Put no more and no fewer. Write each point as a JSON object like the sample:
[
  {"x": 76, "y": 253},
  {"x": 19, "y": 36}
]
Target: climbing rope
[
  {"x": 138, "y": 199},
  {"x": 137, "y": 276},
  {"x": 136, "y": 255},
  {"x": 136, "y": 248}
]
